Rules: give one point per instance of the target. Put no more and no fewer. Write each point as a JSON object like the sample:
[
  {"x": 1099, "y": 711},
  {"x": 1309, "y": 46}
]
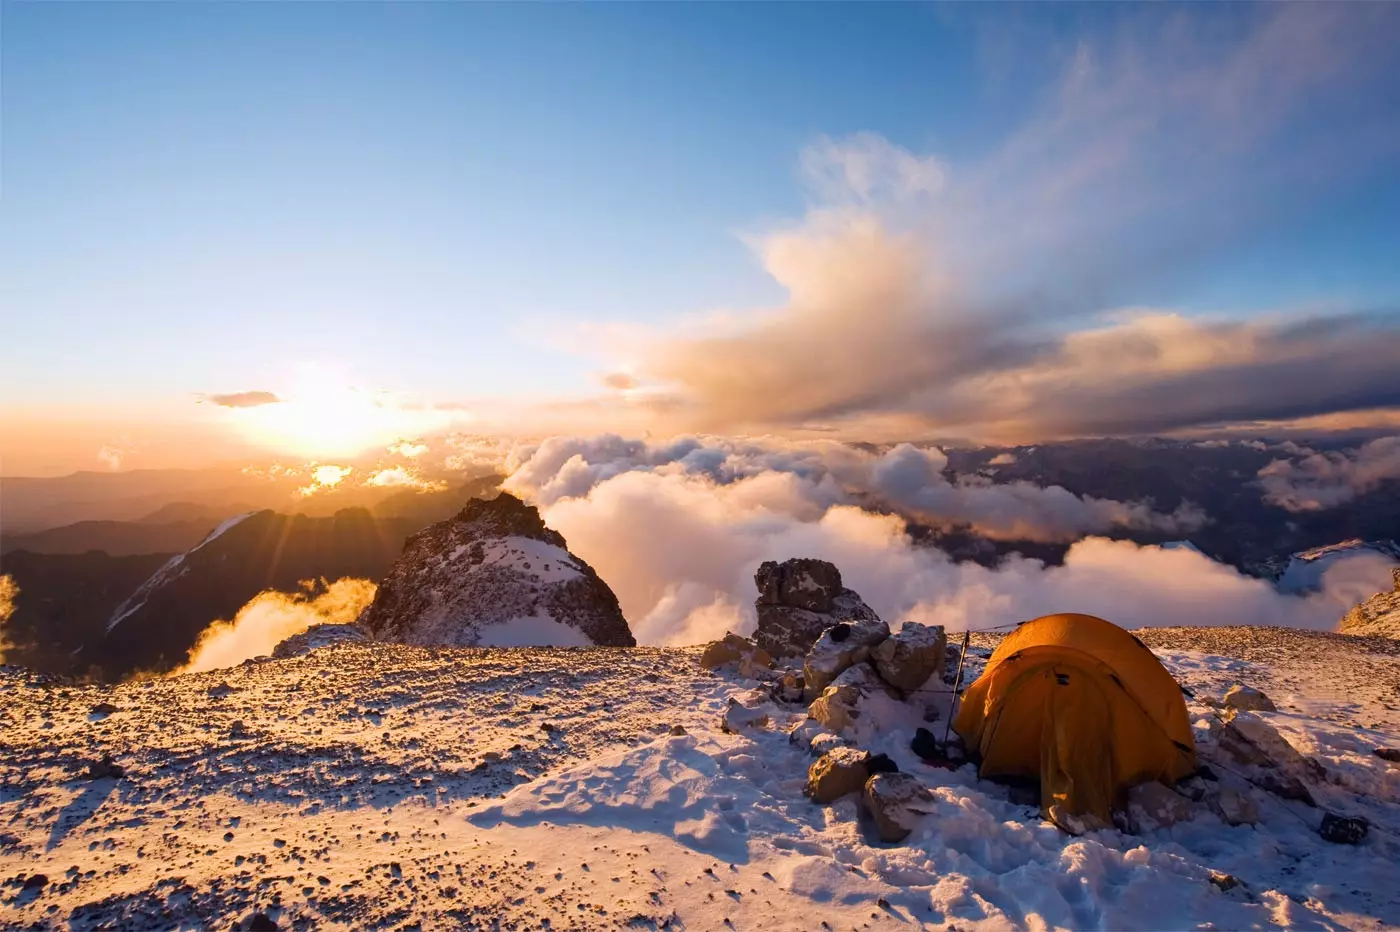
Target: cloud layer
[
  {"x": 1320, "y": 481},
  {"x": 271, "y": 617}
]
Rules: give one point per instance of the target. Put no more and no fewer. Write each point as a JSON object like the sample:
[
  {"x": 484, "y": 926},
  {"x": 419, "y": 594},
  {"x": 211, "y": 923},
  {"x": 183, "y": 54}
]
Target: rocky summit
[
  {"x": 494, "y": 575},
  {"x": 797, "y": 600},
  {"x": 1378, "y": 615}
]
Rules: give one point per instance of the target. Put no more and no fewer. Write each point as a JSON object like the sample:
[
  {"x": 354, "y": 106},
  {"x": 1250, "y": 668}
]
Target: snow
[
  {"x": 534, "y": 631},
  {"x": 171, "y": 570},
  {"x": 365, "y": 790},
  {"x": 544, "y": 561},
  {"x": 1305, "y": 570}
]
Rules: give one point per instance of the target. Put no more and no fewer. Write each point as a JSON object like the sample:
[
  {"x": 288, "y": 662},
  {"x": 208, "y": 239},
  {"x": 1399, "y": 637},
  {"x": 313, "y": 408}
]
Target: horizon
[{"x": 249, "y": 232}]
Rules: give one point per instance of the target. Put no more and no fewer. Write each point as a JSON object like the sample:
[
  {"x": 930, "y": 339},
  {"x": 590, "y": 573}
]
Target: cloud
[
  {"x": 817, "y": 475},
  {"x": 408, "y": 449},
  {"x": 271, "y": 617},
  {"x": 620, "y": 381},
  {"x": 402, "y": 477},
  {"x": 986, "y": 298},
  {"x": 111, "y": 457},
  {"x": 242, "y": 399},
  {"x": 324, "y": 476},
  {"x": 1320, "y": 481},
  {"x": 680, "y": 549}
]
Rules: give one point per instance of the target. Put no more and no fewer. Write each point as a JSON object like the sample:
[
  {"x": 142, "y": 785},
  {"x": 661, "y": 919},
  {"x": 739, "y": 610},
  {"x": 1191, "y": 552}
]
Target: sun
[{"x": 323, "y": 416}]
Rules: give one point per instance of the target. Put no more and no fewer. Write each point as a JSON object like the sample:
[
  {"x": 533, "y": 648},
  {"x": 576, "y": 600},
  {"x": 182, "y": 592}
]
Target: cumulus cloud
[
  {"x": 986, "y": 299},
  {"x": 271, "y": 617},
  {"x": 111, "y": 457},
  {"x": 324, "y": 476},
  {"x": 252, "y": 399},
  {"x": 1319, "y": 481},
  {"x": 680, "y": 550},
  {"x": 813, "y": 476},
  {"x": 408, "y": 449},
  {"x": 403, "y": 477}
]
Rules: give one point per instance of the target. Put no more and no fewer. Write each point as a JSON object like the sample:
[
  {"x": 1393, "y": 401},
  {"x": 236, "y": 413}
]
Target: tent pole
[{"x": 957, "y": 682}]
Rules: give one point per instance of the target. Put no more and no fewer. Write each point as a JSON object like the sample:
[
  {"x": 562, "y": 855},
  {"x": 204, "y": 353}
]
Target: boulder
[
  {"x": 836, "y": 773},
  {"x": 741, "y": 716},
  {"x": 897, "y": 801},
  {"x": 1235, "y": 808},
  {"x": 840, "y": 707},
  {"x": 1267, "y": 758},
  {"x": 789, "y": 688},
  {"x": 838, "y": 649},
  {"x": 739, "y": 651},
  {"x": 104, "y": 768},
  {"x": 907, "y": 659},
  {"x": 1244, "y": 698},
  {"x": 799, "y": 599},
  {"x": 1154, "y": 805},
  {"x": 1343, "y": 831}
]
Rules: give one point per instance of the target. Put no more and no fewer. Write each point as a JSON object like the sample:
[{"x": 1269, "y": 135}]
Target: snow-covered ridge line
[{"x": 167, "y": 573}]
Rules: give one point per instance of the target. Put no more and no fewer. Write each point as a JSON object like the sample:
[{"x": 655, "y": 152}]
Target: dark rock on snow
[{"x": 797, "y": 600}]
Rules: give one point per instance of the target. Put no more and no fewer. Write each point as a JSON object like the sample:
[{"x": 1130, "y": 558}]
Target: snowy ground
[{"x": 531, "y": 788}]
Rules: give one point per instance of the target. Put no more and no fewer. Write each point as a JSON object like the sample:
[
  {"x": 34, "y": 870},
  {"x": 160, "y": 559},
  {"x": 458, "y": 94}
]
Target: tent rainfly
[{"x": 1084, "y": 707}]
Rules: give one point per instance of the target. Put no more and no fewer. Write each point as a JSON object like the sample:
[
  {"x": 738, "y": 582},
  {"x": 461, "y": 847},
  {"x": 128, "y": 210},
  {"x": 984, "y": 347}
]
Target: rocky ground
[{"x": 398, "y": 787}]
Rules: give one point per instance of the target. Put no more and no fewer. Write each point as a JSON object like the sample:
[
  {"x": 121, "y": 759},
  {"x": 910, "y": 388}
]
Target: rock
[
  {"x": 1269, "y": 760},
  {"x": 789, "y": 688},
  {"x": 836, "y": 773},
  {"x": 908, "y": 658},
  {"x": 1389, "y": 754},
  {"x": 1247, "y": 699},
  {"x": 925, "y": 744},
  {"x": 35, "y": 882},
  {"x": 825, "y": 741},
  {"x": 740, "y": 652},
  {"x": 103, "y": 769},
  {"x": 220, "y": 690},
  {"x": 1154, "y": 805},
  {"x": 678, "y": 731},
  {"x": 897, "y": 801},
  {"x": 840, "y": 706},
  {"x": 1343, "y": 831},
  {"x": 1235, "y": 808},
  {"x": 839, "y": 648},
  {"x": 318, "y": 636},
  {"x": 104, "y": 708},
  {"x": 881, "y": 763},
  {"x": 805, "y": 732},
  {"x": 739, "y": 717},
  {"x": 1226, "y": 882},
  {"x": 798, "y": 600},
  {"x": 1379, "y": 615},
  {"x": 494, "y": 575},
  {"x": 237, "y": 731},
  {"x": 261, "y": 922}
]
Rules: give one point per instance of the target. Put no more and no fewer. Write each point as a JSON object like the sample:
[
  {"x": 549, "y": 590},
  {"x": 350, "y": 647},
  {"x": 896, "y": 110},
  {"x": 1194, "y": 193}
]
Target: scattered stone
[
  {"x": 881, "y": 763},
  {"x": 1236, "y": 808},
  {"x": 925, "y": 744},
  {"x": 1226, "y": 882},
  {"x": 739, "y": 717},
  {"x": 836, "y": 773},
  {"x": 734, "y": 649},
  {"x": 261, "y": 922},
  {"x": 1247, "y": 699},
  {"x": 911, "y": 656},
  {"x": 548, "y": 727},
  {"x": 238, "y": 731},
  {"x": 35, "y": 882},
  {"x": 678, "y": 731},
  {"x": 104, "y": 708},
  {"x": 789, "y": 688},
  {"x": 1389, "y": 754},
  {"x": 826, "y": 741},
  {"x": 897, "y": 800},
  {"x": 1343, "y": 831},
  {"x": 318, "y": 636},
  {"x": 799, "y": 599},
  {"x": 1154, "y": 805},
  {"x": 220, "y": 690},
  {"x": 103, "y": 769},
  {"x": 839, "y": 648}
]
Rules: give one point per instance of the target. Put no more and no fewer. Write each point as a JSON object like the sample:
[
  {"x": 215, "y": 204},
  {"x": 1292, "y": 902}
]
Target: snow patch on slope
[{"x": 535, "y": 631}]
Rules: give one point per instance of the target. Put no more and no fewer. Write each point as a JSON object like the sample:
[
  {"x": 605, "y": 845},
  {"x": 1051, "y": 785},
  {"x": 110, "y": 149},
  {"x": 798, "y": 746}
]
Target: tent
[{"x": 1082, "y": 706}]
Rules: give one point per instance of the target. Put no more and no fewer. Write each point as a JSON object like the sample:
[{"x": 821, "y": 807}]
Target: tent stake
[{"x": 957, "y": 682}]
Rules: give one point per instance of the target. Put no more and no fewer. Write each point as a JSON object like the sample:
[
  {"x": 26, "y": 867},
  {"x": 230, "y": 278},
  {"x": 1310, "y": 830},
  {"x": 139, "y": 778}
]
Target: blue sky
[{"x": 432, "y": 197}]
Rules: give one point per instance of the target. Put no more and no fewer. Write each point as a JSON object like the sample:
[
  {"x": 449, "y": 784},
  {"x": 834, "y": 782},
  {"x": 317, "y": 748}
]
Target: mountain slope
[
  {"x": 115, "y": 538},
  {"x": 494, "y": 575},
  {"x": 361, "y": 786},
  {"x": 156, "y": 625}
]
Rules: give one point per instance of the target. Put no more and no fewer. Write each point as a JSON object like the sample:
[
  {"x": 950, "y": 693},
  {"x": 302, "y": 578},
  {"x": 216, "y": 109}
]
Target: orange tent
[{"x": 1084, "y": 707}]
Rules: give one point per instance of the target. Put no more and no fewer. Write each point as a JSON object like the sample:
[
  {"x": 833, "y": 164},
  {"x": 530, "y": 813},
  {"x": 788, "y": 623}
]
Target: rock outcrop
[
  {"x": 912, "y": 656},
  {"x": 897, "y": 801},
  {"x": 318, "y": 636},
  {"x": 1244, "y": 698},
  {"x": 839, "y": 648},
  {"x": 1378, "y": 615},
  {"x": 494, "y": 575},
  {"x": 797, "y": 600},
  {"x": 836, "y": 773}
]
